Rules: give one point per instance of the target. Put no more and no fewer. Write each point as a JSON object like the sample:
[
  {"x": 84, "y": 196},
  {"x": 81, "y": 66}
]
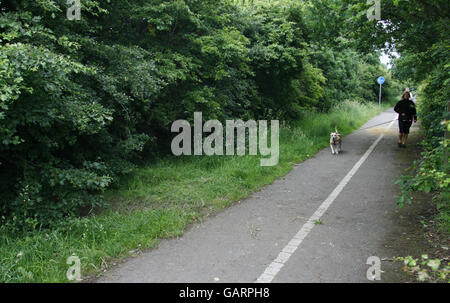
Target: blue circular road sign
[{"x": 380, "y": 80}]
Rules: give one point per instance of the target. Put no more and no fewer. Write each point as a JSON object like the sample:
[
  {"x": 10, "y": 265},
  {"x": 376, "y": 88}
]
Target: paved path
[{"x": 271, "y": 236}]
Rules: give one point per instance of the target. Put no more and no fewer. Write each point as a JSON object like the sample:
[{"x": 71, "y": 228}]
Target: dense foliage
[{"x": 82, "y": 102}]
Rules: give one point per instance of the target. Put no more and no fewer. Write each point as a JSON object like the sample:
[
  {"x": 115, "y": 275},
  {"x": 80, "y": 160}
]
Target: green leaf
[{"x": 434, "y": 264}]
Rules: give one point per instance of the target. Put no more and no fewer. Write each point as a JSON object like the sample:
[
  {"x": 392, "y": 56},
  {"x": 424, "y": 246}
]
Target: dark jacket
[{"x": 406, "y": 110}]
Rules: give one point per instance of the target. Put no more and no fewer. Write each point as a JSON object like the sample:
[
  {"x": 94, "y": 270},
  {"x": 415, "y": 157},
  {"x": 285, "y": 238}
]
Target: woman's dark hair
[{"x": 407, "y": 96}]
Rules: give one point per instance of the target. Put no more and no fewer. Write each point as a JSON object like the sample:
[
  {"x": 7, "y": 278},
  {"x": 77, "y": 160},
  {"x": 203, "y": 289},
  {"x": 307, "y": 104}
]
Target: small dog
[{"x": 335, "y": 142}]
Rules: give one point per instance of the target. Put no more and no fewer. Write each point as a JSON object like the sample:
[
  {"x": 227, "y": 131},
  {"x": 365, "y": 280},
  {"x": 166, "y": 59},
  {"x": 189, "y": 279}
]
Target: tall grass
[{"x": 158, "y": 201}]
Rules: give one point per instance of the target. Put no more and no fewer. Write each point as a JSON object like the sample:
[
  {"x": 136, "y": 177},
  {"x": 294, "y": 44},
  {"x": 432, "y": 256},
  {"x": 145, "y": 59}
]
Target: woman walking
[{"x": 406, "y": 110}]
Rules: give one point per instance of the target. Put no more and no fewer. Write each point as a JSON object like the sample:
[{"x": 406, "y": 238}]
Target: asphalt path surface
[{"x": 319, "y": 223}]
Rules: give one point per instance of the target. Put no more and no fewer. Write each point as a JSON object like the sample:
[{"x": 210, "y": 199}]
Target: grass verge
[{"x": 160, "y": 200}]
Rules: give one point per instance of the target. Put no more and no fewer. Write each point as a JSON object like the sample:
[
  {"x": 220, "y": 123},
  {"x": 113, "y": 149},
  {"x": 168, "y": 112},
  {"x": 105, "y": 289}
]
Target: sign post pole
[
  {"x": 380, "y": 81},
  {"x": 379, "y": 101}
]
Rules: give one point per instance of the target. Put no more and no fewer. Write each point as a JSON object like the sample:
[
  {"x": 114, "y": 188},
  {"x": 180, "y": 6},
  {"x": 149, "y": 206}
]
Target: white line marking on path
[{"x": 274, "y": 267}]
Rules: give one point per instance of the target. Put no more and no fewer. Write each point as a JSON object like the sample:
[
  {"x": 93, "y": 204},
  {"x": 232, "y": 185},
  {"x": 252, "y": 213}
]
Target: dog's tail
[{"x": 335, "y": 128}]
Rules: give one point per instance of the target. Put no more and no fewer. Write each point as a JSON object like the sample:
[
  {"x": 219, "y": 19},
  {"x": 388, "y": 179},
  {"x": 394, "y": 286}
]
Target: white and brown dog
[{"x": 335, "y": 142}]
